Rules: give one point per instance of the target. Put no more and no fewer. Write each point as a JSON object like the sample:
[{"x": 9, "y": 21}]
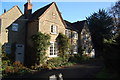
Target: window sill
[
  {"x": 53, "y": 33},
  {"x": 53, "y": 56},
  {"x": 75, "y": 38},
  {"x": 74, "y": 52}
]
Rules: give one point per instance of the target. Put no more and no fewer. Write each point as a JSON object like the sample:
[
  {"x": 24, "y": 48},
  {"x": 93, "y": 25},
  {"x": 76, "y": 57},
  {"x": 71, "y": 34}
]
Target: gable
[
  {"x": 39, "y": 12},
  {"x": 52, "y": 15},
  {"x": 6, "y": 20},
  {"x": 85, "y": 31},
  {"x": 10, "y": 16}
]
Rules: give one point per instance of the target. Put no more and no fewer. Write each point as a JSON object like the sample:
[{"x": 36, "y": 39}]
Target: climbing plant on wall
[
  {"x": 41, "y": 43},
  {"x": 63, "y": 45}
]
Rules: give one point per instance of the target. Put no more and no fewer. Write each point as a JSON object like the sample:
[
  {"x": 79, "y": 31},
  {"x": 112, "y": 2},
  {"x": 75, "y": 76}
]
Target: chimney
[
  {"x": 4, "y": 10},
  {"x": 28, "y": 9}
]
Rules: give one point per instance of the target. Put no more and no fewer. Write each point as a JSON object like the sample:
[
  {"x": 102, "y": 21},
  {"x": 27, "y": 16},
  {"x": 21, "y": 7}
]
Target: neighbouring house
[
  {"x": 12, "y": 31},
  {"x": 72, "y": 34},
  {"x": 17, "y": 28},
  {"x": 80, "y": 38}
]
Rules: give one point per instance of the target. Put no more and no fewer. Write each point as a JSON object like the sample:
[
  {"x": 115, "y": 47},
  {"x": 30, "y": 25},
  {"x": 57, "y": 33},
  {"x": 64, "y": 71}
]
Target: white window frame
[
  {"x": 54, "y": 29},
  {"x": 15, "y": 27},
  {"x": 54, "y": 55},
  {"x": 67, "y": 33},
  {"x": 76, "y": 51},
  {"x": 75, "y": 35}
]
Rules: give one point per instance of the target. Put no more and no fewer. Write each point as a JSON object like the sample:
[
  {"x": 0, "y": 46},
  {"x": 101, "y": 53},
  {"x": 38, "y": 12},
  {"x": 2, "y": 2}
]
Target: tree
[
  {"x": 41, "y": 43},
  {"x": 100, "y": 27},
  {"x": 115, "y": 12}
]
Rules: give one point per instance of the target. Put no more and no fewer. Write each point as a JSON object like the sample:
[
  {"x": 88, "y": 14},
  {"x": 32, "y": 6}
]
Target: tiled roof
[
  {"x": 69, "y": 24},
  {"x": 76, "y": 26},
  {"x": 40, "y": 11}
]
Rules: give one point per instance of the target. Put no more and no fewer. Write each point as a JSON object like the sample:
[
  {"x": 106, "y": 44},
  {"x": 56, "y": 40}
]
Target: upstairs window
[
  {"x": 14, "y": 27},
  {"x": 53, "y": 29},
  {"x": 75, "y": 35},
  {"x": 68, "y": 33}
]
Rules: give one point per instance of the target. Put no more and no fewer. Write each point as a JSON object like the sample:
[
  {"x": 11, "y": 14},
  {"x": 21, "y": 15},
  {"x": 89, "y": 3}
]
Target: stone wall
[
  {"x": 50, "y": 17},
  {"x": 6, "y": 20}
]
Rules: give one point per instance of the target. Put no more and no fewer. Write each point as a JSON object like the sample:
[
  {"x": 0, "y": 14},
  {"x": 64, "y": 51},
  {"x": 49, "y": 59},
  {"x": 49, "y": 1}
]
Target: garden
[{"x": 11, "y": 67}]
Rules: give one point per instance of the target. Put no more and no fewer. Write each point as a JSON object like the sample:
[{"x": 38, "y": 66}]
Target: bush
[
  {"x": 56, "y": 63},
  {"x": 85, "y": 57},
  {"x": 63, "y": 45},
  {"x": 78, "y": 59},
  {"x": 15, "y": 68},
  {"x": 41, "y": 43},
  {"x": 111, "y": 56}
]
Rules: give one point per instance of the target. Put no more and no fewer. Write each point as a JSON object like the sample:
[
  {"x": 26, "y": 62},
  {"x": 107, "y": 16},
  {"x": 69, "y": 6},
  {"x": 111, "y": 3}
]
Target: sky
[{"x": 71, "y": 11}]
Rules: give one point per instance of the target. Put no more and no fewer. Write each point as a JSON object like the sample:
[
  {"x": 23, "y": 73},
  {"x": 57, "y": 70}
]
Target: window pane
[
  {"x": 75, "y": 48},
  {"x": 55, "y": 49},
  {"x": 14, "y": 27},
  {"x": 51, "y": 49},
  {"x": 75, "y": 35},
  {"x": 52, "y": 28}
]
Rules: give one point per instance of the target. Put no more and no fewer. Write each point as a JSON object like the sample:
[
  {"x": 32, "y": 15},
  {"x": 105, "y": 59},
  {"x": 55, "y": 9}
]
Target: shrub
[
  {"x": 56, "y": 63},
  {"x": 9, "y": 69},
  {"x": 78, "y": 59},
  {"x": 41, "y": 43},
  {"x": 85, "y": 57},
  {"x": 111, "y": 55},
  {"x": 63, "y": 45}
]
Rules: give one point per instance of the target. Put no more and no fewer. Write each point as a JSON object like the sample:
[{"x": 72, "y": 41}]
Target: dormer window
[
  {"x": 14, "y": 27},
  {"x": 53, "y": 29}
]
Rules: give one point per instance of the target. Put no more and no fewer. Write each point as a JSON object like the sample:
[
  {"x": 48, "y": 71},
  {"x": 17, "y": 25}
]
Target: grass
[{"x": 105, "y": 74}]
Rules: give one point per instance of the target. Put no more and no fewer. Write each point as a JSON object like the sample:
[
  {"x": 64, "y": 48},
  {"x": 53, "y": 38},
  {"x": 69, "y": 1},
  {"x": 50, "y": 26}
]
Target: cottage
[
  {"x": 12, "y": 31},
  {"x": 17, "y": 28},
  {"x": 80, "y": 37}
]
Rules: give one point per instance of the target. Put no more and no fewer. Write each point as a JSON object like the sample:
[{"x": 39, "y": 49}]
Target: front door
[{"x": 20, "y": 53}]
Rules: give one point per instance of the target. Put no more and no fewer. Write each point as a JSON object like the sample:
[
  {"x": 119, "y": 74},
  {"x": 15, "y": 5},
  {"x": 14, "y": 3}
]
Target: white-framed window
[
  {"x": 75, "y": 49},
  {"x": 53, "y": 49},
  {"x": 14, "y": 27},
  {"x": 53, "y": 29},
  {"x": 68, "y": 33},
  {"x": 75, "y": 35}
]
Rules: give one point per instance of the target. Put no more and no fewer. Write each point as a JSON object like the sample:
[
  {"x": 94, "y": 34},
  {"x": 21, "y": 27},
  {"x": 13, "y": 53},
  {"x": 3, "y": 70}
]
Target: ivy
[
  {"x": 63, "y": 45},
  {"x": 41, "y": 43}
]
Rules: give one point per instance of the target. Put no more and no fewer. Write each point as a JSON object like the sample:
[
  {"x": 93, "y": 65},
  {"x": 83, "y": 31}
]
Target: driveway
[{"x": 86, "y": 71}]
